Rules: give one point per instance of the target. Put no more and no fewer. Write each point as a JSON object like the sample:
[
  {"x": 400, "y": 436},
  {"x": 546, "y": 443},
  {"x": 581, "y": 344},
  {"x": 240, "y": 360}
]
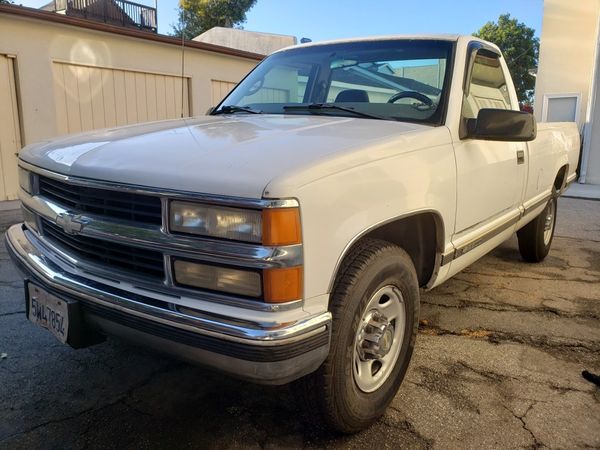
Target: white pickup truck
[{"x": 286, "y": 235}]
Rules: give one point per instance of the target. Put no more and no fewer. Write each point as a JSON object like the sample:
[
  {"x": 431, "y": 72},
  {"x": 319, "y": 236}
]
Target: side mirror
[{"x": 501, "y": 125}]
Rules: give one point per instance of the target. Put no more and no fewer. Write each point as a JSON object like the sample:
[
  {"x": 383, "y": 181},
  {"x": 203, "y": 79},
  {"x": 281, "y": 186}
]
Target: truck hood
[{"x": 226, "y": 155}]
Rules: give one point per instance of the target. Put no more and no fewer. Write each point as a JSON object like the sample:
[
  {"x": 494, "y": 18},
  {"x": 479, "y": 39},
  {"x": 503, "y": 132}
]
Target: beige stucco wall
[
  {"x": 37, "y": 44},
  {"x": 567, "y": 51}
]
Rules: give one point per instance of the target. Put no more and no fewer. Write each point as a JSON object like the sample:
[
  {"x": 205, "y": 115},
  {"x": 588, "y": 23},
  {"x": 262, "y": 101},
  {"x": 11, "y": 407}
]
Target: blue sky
[{"x": 332, "y": 19}]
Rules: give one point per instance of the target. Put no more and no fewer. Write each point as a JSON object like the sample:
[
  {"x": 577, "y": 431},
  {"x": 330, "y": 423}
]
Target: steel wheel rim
[
  {"x": 370, "y": 374},
  {"x": 549, "y": 222}
]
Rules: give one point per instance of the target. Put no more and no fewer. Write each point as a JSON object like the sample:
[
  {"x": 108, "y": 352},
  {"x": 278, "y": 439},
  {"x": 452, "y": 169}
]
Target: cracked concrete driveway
[{"x": 497, "y": 365}]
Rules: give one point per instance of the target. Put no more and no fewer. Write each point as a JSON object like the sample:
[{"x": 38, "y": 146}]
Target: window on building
[{"x": 561, "y": 108}]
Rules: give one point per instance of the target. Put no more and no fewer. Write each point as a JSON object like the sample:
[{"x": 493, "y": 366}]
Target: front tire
[
  {"x": 375, "y": 308},
  {"x": 535, "y": 238}
]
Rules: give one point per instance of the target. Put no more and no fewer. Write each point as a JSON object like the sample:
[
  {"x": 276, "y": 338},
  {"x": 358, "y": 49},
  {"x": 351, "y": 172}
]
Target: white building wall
[
  {"x": 568, "y": 54},
  {"x": 591, "y": 164}
]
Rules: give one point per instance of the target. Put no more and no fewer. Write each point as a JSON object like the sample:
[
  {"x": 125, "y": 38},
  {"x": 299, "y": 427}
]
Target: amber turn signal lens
[
  {"x": 281, "y": 226},
  {"x": 282, "y": 285}
]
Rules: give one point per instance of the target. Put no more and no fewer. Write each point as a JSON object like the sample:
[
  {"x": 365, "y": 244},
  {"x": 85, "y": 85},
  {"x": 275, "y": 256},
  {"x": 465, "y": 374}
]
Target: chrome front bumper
[{"x": 274, "y": 354}]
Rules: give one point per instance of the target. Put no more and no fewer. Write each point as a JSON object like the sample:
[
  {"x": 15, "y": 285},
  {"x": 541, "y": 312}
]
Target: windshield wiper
[
  {"x": 325, "y": 106},
  {"x": 231, "y": 109}
]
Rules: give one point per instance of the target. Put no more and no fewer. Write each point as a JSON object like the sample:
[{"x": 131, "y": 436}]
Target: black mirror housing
[{"x": 502, "y": 125}]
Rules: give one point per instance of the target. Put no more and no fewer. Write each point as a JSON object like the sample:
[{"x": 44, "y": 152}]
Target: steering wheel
[{"x": 411, "y": 94}]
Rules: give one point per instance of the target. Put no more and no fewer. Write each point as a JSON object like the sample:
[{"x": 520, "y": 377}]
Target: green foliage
[
  {"x": 198, "y": 16},
  {"x": 520, "y": 48}
]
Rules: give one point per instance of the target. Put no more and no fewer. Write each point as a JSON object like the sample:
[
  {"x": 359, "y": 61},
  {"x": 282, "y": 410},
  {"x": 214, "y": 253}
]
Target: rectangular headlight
[
  {"x": 216, "y": 278},
  {"x": 25, "y": 180},
  {"x": 216, "y": 221}
]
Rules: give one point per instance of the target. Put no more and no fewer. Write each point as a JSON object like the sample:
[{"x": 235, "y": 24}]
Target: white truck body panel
[
  {"x": 234, "y": 156},
  {"x": 349, "y": 175}
]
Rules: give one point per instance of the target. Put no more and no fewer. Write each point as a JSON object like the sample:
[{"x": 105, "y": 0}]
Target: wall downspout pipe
[{"x": 590, "y": 110}]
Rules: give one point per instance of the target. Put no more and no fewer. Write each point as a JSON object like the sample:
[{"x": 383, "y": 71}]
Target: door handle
[{"x": 520, "y": 156}]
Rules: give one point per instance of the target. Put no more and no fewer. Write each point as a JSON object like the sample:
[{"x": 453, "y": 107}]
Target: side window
[{"x": 487, "y": 87}]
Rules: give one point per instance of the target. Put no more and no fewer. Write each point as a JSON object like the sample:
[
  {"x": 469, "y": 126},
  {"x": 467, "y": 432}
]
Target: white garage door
[
  {"x": 95, "y": 97},
  {"x": 10, "y": 132}
]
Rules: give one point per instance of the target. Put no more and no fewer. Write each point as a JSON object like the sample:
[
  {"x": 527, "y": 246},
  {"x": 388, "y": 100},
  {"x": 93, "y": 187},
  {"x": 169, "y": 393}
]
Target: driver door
[{"x": 490, "y": 174}]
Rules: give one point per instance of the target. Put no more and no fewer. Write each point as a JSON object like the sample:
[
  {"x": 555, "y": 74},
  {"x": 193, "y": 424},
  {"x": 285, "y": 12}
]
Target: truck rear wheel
[
  {"x": 535, "y": 238},
  {"x": 375, "y": 307}
]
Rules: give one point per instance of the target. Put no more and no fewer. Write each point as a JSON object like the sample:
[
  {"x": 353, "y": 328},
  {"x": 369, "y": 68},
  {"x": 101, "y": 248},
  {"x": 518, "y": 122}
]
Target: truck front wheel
[
  {"x": 375, "y": 308},
  {"x": 535, "y": 238}
]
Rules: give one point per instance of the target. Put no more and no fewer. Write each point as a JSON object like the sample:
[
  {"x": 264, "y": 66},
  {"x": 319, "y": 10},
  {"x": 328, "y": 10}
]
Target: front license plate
[{"x": 48, "y": 311}]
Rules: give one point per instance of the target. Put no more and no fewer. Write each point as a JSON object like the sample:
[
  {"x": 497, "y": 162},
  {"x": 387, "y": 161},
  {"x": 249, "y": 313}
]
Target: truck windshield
[{"x": 404, "y": 80}]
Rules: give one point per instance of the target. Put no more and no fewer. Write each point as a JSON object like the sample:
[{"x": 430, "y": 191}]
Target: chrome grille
[
  {"x": 104, "y": 202},
  {"x": 135, "y": 260}
]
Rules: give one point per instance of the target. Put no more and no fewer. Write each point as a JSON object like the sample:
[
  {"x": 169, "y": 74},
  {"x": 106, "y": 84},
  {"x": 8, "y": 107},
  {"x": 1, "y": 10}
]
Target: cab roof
[{"x": 391, "y": 37}]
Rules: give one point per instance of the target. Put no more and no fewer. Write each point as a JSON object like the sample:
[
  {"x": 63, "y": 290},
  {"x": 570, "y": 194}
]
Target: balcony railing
[{"x": 115, "y": 12}]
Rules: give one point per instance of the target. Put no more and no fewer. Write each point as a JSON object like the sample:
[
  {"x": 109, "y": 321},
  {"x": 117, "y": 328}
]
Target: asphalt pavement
[{"x": 497, "y": 364}]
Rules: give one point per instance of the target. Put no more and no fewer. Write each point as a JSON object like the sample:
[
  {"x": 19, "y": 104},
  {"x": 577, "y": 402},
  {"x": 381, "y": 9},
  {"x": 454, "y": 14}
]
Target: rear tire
[
  {"x": 375, "y": 308},
  {"x": 535, "y": 238}
]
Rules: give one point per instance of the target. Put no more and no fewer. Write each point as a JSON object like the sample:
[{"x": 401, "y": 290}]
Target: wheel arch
[
  {"x": 560, "y": 181},
  {"x": 419, "y": 233}
]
